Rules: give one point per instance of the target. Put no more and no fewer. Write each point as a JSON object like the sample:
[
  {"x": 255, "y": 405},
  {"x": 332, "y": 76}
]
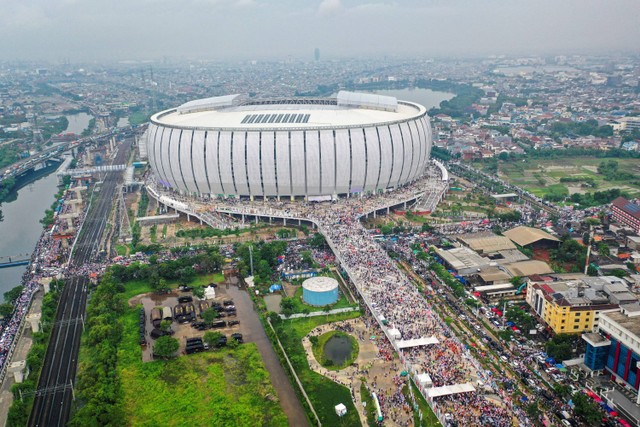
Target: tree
[
  {"x": 306, "y": 311},
  {"x": 198, "y": 291},
  {"x": 287, "y": 303},
  {"x": 165, "y": 325},
  {"x": 212, "y": 338},
  {"x": 165, "y": 347},
  {"x": 603, "y": 249},
  {"x": 586, "y": 409},
  {"x": 209, "y": 315},
  {"x": 6, "y": 310},
  {"x": 317, "y": 240},
  {"x": 326, "y": 309},
  {"x": 533, "y": 411},
  {"x": 13, "y": 294}
]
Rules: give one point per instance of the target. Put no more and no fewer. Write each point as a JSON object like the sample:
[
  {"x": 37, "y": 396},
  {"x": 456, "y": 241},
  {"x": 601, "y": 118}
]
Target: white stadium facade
[{"x": 316, "y": 149}]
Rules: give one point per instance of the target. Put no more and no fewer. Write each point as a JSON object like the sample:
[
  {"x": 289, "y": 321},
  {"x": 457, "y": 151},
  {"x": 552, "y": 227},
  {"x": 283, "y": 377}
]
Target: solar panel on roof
[
  {"x": 259, "y": 119},
  {"x": 632, "y": 208},
  {"x": 279, "y": 118},
  {"x": 299, "y": 118},
  {"x": 272, "y": 118},
  {"x": 245, "y": 118},
  {"x": 286, "y": 118},
  {"x": 306, "y": 118}
]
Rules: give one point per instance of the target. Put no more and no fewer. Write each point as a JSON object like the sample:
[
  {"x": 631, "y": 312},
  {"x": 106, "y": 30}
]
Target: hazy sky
[{"x": 246, "y": 29}]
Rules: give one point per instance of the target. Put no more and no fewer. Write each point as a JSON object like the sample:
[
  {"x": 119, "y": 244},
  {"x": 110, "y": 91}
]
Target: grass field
[
  {"x": 323, "y": 392},
  {"x": 224, "y": 388},
  {"x": 539, "y": 175},
  {"x": 137, "y": 287}
]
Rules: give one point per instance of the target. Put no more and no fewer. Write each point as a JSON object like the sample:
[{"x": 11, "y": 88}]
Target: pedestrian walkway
[
  {"x": 368, "y": 364},
  {"x": 321, "y": 313},
  {"x": 23, "y": 345}
]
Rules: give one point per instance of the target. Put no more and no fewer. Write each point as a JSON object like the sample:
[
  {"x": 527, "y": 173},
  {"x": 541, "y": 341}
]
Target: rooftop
[
  {"x": 524, "y": 236},
  {"x": 486, "y": 242},
  {"x": 348, "y": 109},
  {"x": 626, "y": 206}
]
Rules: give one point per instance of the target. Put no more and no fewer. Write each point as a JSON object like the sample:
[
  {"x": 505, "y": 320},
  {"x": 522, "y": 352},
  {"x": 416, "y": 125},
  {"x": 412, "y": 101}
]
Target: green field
[
  {"x": 225, "y": 387},
  {"x": 543, "y": 175},
  {"x": 323, "y": 392}
]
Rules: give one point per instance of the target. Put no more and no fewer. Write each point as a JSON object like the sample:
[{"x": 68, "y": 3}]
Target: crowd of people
[
  {"x": 48, "y": 260},
  {"x": 393, "y": 299}
]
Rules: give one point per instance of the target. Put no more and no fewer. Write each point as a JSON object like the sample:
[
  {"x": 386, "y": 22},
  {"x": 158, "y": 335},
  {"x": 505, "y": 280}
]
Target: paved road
[
  {"x": 53, "y": 401},
  {"x": 255, "y": 333}
]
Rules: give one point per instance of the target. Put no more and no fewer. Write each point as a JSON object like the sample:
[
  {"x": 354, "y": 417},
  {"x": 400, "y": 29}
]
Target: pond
[{"x": 338, "y": 349}]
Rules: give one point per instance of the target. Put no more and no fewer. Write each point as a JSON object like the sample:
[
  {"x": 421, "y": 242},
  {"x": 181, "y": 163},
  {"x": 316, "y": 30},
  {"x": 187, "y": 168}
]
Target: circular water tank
[{"x": 320, "y": 291}]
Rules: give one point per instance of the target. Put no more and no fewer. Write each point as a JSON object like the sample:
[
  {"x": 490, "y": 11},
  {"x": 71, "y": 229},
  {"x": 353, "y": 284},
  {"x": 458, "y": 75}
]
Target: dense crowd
[
  {"x": 47, "y": 261},
  {"x": 395, "y": 301}
]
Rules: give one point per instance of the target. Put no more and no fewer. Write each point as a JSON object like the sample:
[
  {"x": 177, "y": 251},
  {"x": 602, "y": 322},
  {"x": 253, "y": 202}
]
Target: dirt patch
[{"x": 542, "y": 254}]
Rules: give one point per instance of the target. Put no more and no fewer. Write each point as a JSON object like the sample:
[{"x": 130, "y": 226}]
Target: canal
[{"x": 20, "y": 229}]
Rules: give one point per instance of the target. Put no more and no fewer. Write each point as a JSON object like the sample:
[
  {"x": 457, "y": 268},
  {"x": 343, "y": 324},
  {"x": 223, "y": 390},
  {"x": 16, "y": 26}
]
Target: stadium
[{"x": 301, "y": 148}]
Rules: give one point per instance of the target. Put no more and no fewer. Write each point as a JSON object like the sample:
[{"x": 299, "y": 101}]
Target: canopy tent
[
  {"x": 450, "y": 389},
  {"x": 395, "y": 334},
  {"x": 417, "y": 342},
  {"x": 209, "y": 292},
  {"x": 340, "y": 409}
]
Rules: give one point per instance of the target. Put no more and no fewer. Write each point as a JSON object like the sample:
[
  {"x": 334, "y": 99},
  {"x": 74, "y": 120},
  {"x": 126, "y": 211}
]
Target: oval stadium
[{"x": 311, "y": 149}]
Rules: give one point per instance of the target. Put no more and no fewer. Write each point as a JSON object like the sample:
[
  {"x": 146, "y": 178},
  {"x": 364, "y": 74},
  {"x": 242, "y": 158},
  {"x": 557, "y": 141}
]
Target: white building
[{"x": 314, "y": 148}]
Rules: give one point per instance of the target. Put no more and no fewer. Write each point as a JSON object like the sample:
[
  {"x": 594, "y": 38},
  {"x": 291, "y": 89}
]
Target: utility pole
[
  {"x": 251, "y": 258},
  {"x": 586, "y": 262}
]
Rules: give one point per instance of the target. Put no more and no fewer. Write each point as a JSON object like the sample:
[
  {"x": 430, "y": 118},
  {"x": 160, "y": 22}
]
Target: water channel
[{"x": 21, "y": 228}]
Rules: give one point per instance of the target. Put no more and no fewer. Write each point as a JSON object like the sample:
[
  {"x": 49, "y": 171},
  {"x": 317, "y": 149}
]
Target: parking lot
[{"x": 184, "y": 330}]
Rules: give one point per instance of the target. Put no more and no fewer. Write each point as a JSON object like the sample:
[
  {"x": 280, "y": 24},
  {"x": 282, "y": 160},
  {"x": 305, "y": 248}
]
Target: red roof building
[{"x": 626, "y": 213}]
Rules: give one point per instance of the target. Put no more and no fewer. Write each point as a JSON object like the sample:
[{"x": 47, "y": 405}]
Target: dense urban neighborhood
[{"x": 487, "y": 274}]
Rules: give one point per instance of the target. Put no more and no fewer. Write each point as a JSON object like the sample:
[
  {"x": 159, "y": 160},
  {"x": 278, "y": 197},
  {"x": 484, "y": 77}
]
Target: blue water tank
[{"x": 320, "y": 291}]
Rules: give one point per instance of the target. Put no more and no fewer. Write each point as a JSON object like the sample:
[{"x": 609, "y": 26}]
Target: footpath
[
  {"x": 22, "y": 348},
  {"x": 378, "y": 371}
]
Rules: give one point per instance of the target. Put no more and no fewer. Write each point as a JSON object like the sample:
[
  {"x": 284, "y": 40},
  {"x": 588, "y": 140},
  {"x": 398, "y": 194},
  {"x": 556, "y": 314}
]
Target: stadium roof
[
  {"x": 524, "y": 236},
  {"x": 348, "y": 109}
]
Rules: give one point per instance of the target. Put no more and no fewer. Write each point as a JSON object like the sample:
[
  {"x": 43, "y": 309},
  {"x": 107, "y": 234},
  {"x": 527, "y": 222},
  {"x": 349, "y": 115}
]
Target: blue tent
[{"x": 275, "y": 287}]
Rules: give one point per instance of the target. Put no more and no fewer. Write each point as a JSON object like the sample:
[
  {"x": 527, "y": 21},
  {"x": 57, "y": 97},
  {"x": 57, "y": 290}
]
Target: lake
[
  {"x": 78, "y": 122},
  {"x": 426, "y": 97}
]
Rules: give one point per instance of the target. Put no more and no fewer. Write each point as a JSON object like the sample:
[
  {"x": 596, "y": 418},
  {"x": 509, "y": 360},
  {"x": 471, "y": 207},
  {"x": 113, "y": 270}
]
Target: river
[
  {"x": 78, "y": 122},
  {"x": 21, "y": 228}
]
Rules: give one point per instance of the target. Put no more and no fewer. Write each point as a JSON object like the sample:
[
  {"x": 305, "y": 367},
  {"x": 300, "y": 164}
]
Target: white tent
[
  {"x": 341, "y": 409},
  {"x": 395, "y": 334},
  {"x": 209, "y": 292},
  {"x": 424, "y": 380}
]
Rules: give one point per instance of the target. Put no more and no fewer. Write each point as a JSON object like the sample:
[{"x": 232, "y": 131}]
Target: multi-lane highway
[{"x": 54, "y": 396}]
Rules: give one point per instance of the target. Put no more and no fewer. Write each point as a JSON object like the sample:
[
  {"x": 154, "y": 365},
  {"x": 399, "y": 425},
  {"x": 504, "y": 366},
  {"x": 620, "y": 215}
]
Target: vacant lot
[
  {"x": 225, "y": 387},
  {"x": 539, "y": 175}
]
